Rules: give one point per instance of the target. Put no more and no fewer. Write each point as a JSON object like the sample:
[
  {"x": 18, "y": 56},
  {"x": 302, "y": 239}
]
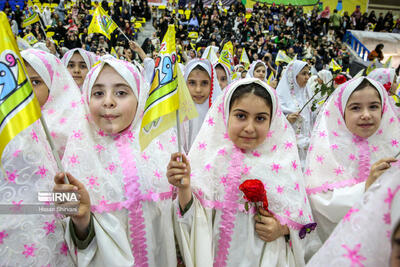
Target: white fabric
[
  {"x": 118, "y": 175},
  {"x": 32, "y": 237},
  {"x": 338, "y": 162},
  {"x": 192, "y": 127},
  {"x": 362, "y": 238},
  {"x": 89, "y": 57},
  {"x": 292, "y": 99},
  {"x": 250, "y": 72},
  {"x": 227, "y": 71},
  {"x": 395, "y": 214},
  {"x": 64, "y": 106},
  {"x": 383, "y": 75},
  {"x": 218, "y": 168}
]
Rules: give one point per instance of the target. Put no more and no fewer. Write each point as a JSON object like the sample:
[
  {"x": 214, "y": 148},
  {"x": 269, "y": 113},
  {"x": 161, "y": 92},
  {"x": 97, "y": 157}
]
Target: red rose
[
  {"x": 387, "y": 86},
  {"x": 340, "y": 79},
  {"x": 254, "y": 191}
]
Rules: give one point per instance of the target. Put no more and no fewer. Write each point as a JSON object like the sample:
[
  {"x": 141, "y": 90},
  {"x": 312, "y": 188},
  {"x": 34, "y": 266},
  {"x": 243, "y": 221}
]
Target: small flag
[
  {"x": 30, "y": 17},
  {"x": 388, "y": 63},
  {"x": 168, "y": 93},
  {"x": 102, "y": 23},
  {"x": 19, "y": 107},
  {"x": 270, "y": 78},
  {"x": 282, "y": 57},
  {"x": 113, "y": 52},
  {"x": 211, "y": 55},
  {"x": 226, "y": 56},
  {"x": 334, "y": 66},
  {"x": 372, "y": 66},
  {"x": 244, "y": 58},
  {"x": 30, "y": 38}
]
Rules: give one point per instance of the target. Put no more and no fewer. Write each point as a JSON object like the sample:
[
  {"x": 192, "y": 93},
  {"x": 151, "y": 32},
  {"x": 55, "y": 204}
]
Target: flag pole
[
  {"x": 53, "y": 148},
  {"x": 124, "y": 34}
]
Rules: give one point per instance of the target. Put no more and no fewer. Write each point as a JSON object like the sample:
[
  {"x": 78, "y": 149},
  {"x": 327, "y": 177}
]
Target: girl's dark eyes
[
  {"x": 204, "y": 83},
  {"x": 97, "y": 93},
  {"x": 36, "y": 82},
  {"x": 261, "y": 118},
  {"x": 240, "y": 116},
  {"x": 121, "y": 93}
]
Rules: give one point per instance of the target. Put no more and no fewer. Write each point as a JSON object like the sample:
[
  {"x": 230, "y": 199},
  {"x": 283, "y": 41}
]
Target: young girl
[
  {"x": 245, "y": 137},
  {"x": 257, "y": 69},
  {"x": 354, "y": 141},
  {"x": 58, "y": 95},
  {"x": 78, "y": 61},
  {"x": 387, "y": 77},
  {"x": 223, "y": 75},
  {"x": 362, "y": 238},
  {"x": 293, "y": 94},
  {"x": 130, "y": 223},
  {"x": 203, "y": 86}
]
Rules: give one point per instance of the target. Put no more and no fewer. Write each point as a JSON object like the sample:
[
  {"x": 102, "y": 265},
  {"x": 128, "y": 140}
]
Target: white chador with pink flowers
[
  {"x": 339, "y": 162},
  {"x": 130, "y": 196},
  {"x": 217, "y": 230}
]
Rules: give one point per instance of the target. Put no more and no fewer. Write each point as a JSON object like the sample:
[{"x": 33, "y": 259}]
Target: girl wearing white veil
[
  {"x": 257, "y": 69},
  {"x": 130, "y": 198},
  {"x": 354, "y": 139},
  {"x": 62, "y": 105},
  {"x": 213, "y": 226},
  {"x": 293, "y": 94},
  {"x": 204, "y": 91},
  {"x": 223, "y": 75}
]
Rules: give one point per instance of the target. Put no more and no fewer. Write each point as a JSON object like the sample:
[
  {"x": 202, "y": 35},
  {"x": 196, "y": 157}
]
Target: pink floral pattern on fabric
[
  {"x": 354, "y": 256},
  {"x": 29, "y": 250},
  {"x": 11, "y": 176},
  {"x": 64, "y": 249},
  {"x": 3, "y": 235},
  {"x": 42, "y": 171},
  {"x": 49, "y": 227}
]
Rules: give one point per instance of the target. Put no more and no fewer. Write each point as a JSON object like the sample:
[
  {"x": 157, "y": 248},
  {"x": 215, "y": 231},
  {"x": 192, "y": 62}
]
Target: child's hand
[
  {"x": 81, "y": 220},
  {"x": 268, "y": 227},
  {"x": 292, "y": 117},
  {"x": 377, "y": 169},
  {"x": 178, "y": 172}
]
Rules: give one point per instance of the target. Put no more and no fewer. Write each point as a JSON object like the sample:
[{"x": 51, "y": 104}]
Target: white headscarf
[
  {"x": 218, "y": 167},
  {"x": 32, "y": 237},
  {"x": 362, "y": 238},
  {"x": 64, "y": 105},
  {"x": 312, "y": 84},
  {"x": 383, "y": 75},
  {"x": 215, "y": 91},
  {"x": 227, "y": 72},
  {"x": 250, "y": 72},
  {"x": 119, "y": 178},
  {"x": 337, "y": 158}
]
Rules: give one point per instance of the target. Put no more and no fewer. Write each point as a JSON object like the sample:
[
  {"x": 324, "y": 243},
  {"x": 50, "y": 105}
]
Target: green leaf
[{"x": 246, "y": 206}]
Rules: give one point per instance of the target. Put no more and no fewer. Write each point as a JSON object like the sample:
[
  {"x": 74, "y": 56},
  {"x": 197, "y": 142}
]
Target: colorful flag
[
  {"x": 168, "y": 93},
  {"x": 226, "y": 56},
  {"x": 30, "y": 17},
  {"x": 372, "y": 66},
  {"x": 270, "y": 78},
  {"x": 334, "y": 66},
  {"x": 102, "y": 23},
  {"x": 113, "y": 52},
  {"x": 30, "y": 38},
  {"x": 244, "y": 58},
  {"x": 282, "y": 57},
  {"x": 388, "y": 63},
  {"x": 19, "y": 107}
]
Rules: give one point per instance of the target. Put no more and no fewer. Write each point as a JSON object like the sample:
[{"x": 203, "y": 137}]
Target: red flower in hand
[
  {"x": 387, "y": 86},
  {"x": 340, "y": 79},
  {"x": 254, "y": 191}
]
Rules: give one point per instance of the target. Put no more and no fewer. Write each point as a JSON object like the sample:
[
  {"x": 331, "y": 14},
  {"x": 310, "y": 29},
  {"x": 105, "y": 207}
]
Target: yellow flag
[
  {"x": 30, "y": 17},
  {"x": 30, "y": 38},
  {"x": 372, "y": 66},
  {"x": 270, "y": 78},
  {"x": 388, "y": 63},
  {"x": 334, "y": 66},
  {"x": 113, "y": 52},
  {"x": 19, "y": 107},
  {"x": 282, "y": 57},
  {"x": 102, "y": 23},
  {"x": 226, "y": 56},
  {"x": 244, "y": 58},
  {"x": 168, "y": 93}
]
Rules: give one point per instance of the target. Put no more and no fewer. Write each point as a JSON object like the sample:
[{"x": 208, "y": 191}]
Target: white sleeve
[
  {"x": 329, "y": 208},
  {"x": 109, "y": 247}
]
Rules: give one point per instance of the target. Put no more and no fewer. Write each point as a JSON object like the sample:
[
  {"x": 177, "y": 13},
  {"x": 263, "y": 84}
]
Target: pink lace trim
[{"x": 230, "y": 209}]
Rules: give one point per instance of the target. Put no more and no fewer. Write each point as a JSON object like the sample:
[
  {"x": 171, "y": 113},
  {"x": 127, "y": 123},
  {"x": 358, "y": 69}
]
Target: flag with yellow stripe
[
  {"x": 282, "y": 57},
  {"x": 102, "y": 23},
  {"x": 226, "y": 56},
  {"x": 19, "y": 107},
  {"x": 168, "y": 93},
  {"x": 30, "y": 17}
]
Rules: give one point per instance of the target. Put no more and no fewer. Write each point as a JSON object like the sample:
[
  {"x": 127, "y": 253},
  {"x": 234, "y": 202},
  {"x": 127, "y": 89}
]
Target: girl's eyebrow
[{"x": 244, "y": 111}]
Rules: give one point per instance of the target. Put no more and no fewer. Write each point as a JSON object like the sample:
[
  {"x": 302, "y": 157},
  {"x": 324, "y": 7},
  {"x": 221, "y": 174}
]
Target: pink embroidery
[
  {"x": 34, "y": 136},
  {"x": 354, "y": 256},
  {"x": 222, "y": 152},
  {"x": 50, "y": 111},
  {"x": 11, "y": 176},
  {"x": 339, "y": 122},
  {"x": 352, "y": 157},
  {"x": 64, "y": 249},
  {"x": 297, "y": 187},
  {"x": 300, "y": 213},
  {"x": 338, "y": 171},
  {"x": 87, "y": 117},
  {"x": 53, "y": 134},
  {"x": 226, "y": 136},
  {"x": 16, "y": 153},
  {"x": 294, "y": 165},
  {"x": 320, "y": 159},
  {"x": 287, "y": 213},
  {"x": 157, "y": 174},
  {"x": 310, "y": 148},
  {"x": 391, "y": 120},
  {"x": 269, "y": 134},
  {"x": 144, "y": 156},
  {"x": 29, "y": 251},
  {"x": 279, "y": 189},
  {"x": 92, "y": 181},
  {"x": 66, "y": 87},
  {"x": 276, "y": 167},
  {"x": 256, "y": 153},
  {"x": 49, "y": 227},
  {"x": 386, "y": 218},
  {"x": 349, "y": 213},
  {"x": 221, "y": 108},
  {"x": 327, "y": 113},
  {"x": 73, "y": 159},
  {"x": 210, "y": 121},
  {"x": 334, "y": 146},
  {"x": 111, "y": 167},
  {"x": 160, "y": 145},
  {"x": 273, "y": 148},
  {"x": 246, "y": 169},
  {"x": 288, "y": 145},
  {"x": 208, "y": 167},
  {"x": 3, "y": 235},
  {"x": 202, "y": 146},
  {"x": 63, "y": 120},
  {"x": 375, "y": 148},
  {"x": 173, "y": 139},
  {"x": 42, "y": 171},
  {"x": 101, "y": 133},
  {"x": 395, "y": 143},
  {"x": 335, "y": 133},
  {"x": 389, "y": 197},
  {"x": 322, "y": 134},
  {"x": 380, "y": 131},
  {"x": 77, "y": 134},
  {"x": 308, "y": 172},
  {"x": 74, "y": 104},
  {"x": 99, "y": 148}
]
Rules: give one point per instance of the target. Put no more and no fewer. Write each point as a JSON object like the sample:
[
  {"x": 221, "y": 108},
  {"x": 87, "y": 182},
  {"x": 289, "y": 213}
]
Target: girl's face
[
  {"x": 303, "y": 77},
  {"x": 39, "y": 86},
  {"x": 112, "y": 102},
  {"x": 199, "y": 85},
  {"x": 395, "y": 256},
  {"x": 249, "y": 121},
  {"x": 260, "y": 73},
  {"x": 393, "y": 89},
  {"x": 363, "y": 112},
  {"x": 222, "y": 79},
  {"x": 78, "y": 69}
]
